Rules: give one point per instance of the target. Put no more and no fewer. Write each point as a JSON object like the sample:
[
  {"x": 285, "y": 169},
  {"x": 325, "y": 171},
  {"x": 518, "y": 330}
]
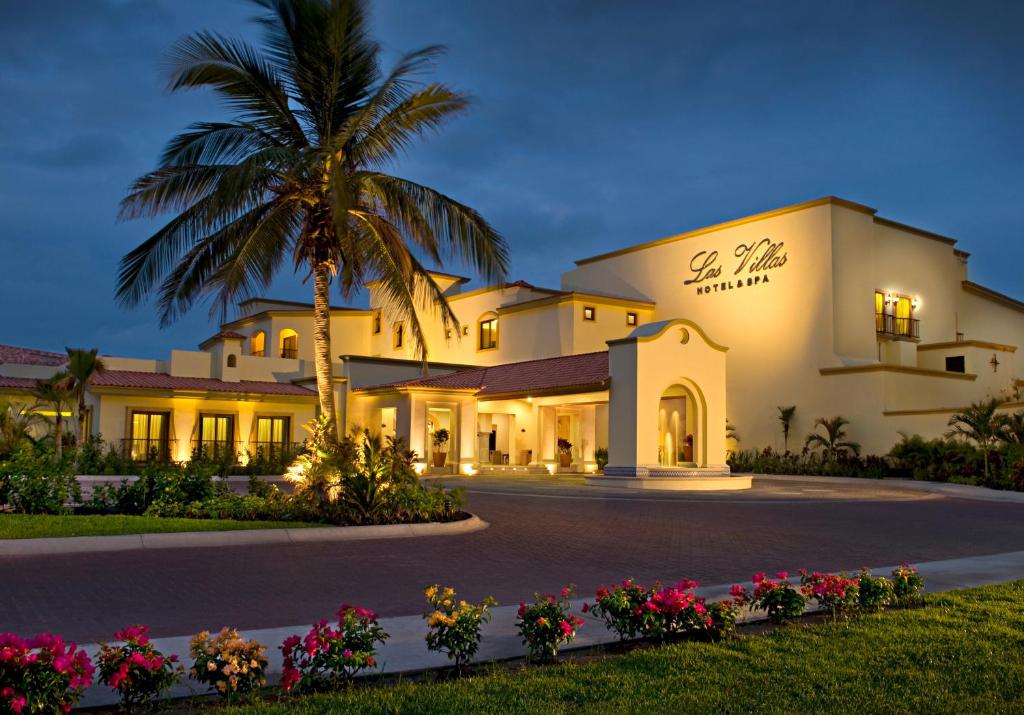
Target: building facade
[{"x": 646, "y": 352}]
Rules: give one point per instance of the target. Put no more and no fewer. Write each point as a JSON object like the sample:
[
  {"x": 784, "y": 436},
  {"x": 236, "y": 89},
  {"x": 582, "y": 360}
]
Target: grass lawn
[
  {"x": 35, "y": 526},
  {"x": 964, "y": 653}
]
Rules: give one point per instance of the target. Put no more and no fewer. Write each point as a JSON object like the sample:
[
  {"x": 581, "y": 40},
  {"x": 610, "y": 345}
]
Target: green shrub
[
  {"x": 31, "y": 482},
  {"x": 875, "y": 592},
  {"x": 601, "y": 457}
]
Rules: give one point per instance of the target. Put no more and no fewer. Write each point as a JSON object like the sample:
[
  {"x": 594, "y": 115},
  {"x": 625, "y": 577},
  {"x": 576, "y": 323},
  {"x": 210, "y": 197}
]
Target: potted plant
[
  {"x": 688, "y": 448},
  {"x": 441, "y": 438},
  {"x": 564, "y": 453}
]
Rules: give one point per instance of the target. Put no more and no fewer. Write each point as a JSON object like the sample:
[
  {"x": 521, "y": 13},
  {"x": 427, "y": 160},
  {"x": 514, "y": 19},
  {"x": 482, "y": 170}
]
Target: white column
[{"x": 467, "y": 436}]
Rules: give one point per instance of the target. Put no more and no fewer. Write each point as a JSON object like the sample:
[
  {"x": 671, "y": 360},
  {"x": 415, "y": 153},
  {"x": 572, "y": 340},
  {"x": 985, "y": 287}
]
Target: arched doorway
[{"x": 677, "y": 427}]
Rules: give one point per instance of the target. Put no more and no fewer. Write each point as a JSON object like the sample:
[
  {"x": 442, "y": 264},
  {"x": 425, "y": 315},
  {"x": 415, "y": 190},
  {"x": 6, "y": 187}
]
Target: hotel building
[{"x": 646, "y": 351}]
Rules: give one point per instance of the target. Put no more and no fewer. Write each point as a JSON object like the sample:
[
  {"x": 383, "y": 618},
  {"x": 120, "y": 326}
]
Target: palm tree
[
  {"x": 833, "y": 443},
  {"x": 16, "y": 426},
  {"x": 82, "y": 365},
  {"x": 786, "y": 418},
  {"x": 53, "y": 394},
  {"x": 297, "y": 177},
  {"x": 980, "y": 424}
]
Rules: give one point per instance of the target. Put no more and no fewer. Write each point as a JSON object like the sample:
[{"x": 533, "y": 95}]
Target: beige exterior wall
[{"x": 817, "y": 311}]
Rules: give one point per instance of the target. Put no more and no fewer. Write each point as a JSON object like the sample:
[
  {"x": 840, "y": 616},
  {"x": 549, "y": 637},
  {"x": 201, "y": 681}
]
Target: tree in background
[
  {"x": 82, "y": 365},
  {"x": 786, "y": 418},
  {"x": 298, "y": 177},
  {"x": 980, "y": 424},
  {"x": 833, "y": 443},
  {"x": 53, "y": 395}
]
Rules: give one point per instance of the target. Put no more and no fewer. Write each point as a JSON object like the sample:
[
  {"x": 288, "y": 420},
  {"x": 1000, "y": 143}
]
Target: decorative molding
[
  {"x": 903, "y": 369},
  {"x": 994, "y": 296},
  {"x": 969, "y": 343}
]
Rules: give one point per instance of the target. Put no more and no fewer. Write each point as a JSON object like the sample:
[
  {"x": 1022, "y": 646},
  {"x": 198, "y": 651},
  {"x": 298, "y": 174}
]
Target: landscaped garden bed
[{"x": 361, "y": 480}]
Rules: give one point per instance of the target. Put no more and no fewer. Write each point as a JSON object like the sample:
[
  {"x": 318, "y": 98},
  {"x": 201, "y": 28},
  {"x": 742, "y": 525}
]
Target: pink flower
[
  {"x": 565, "y": 627},
  {"x": 586, "y": 608},
  {"x": 565, "y": 592},
  {"x": 371, "y": 661},
  {"x": 782, "y": 574},
  {"x": 346, "y": 654},
  {"x": 290, "y": 677},
  {"x": 18, "y": 704},
  {"x": 522, "y": 610}
]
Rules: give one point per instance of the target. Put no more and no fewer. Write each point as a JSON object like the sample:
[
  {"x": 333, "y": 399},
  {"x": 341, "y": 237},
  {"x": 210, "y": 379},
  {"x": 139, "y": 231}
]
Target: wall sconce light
[{"x": 916, "y": 302}]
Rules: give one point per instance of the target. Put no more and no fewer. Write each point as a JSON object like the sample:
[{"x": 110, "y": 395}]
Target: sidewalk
[
  {"x": 406, "y": 651},
  {"x": 956, "y": 491}
]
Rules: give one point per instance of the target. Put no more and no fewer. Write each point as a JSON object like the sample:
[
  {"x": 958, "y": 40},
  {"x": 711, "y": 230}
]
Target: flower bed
[{"x": 48, "y": 675}]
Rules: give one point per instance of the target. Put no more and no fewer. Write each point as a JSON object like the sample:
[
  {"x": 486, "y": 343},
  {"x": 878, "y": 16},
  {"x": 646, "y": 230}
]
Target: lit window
[
  {"x": 216, "y": 438},
  {"x": 272, "y": 437},
  {"x": 258, "y": 344},
  {"x": 376, "y": 323},
  {"x": 630, "y": 318},
  {"x": 289, "y": 344},
  {"x": 149, "y": 437},
  {"x": 398, "y": 336},
  {"x": 488, "y": 333},
  {"x": 589, "y": 313}
]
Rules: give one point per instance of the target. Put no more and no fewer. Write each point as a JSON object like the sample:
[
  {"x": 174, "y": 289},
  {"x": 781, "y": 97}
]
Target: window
[
  {"x": 376, "y": 323},
  {"x": 289, "y": 344},
  {"x": 630, "y": 319},
  {"x": 272, "y": 436},
  {"x": 258, "y": 344},
  {"x": 955, "y": 363},
  {"x": 589, "y": 313},
  {"x": 216, "y": 438},
  {"x": 398, "y": 335},
  {"x": 149, "y": 437},
  {"x": 232, "y": 361},
  {"x": 488, "y": 338}
]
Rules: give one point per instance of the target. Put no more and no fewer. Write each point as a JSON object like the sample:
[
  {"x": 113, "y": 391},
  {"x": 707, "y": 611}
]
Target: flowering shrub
[
  {"x": 546, "y": 624},
  {"x": 229, "y": 663},
  {"x": 836, "y": 593},
  {"x": 136, "y": 670},
  {"x": 454, "y": 626},
  {"x": 907, "y": 585},
  {"x": 780, "y": 600},
  {"x": 41, "y": 675},
  {"x": 723, "y": 615},
  {"x": 874, "y": 592},
  {"x": 330, "y": 657},
  {"x": 626, "y": 609}
]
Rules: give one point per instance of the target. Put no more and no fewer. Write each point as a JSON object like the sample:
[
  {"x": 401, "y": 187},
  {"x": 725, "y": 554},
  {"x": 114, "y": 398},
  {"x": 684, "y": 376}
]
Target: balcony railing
[
  {"x": 274, "y": 451},
  {"x": 216, "y": 450},
  {"x": 892, "y": 326},
  {"x": 145, "y": 449},
  {"x": 290, "y": 353}
]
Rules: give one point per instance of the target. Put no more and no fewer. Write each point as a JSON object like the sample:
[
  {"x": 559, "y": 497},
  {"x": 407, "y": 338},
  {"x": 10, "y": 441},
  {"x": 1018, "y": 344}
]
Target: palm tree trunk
[
  {"x": 81, "y": 420},
  {"x": 322, "y": 341},
  {"x": 58, "y": 435}
]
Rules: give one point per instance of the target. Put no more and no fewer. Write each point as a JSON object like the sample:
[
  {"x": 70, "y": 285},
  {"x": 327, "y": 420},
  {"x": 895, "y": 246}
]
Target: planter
[
  {"x": 564, "y": 460},
  {"x": 439, "y": 458}
]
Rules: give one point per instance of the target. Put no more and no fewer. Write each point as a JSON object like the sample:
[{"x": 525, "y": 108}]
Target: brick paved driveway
[{"x": 542, "y": 536}]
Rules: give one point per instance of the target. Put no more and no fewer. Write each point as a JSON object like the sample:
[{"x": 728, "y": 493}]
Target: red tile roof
[
  {"x": 223, "y": 335},
  {"x": 163, "y": 381},
  {"x": 12, "y": 354},
  {"x": 587, "y": 371},
  {"x": 17, "y": 383}
]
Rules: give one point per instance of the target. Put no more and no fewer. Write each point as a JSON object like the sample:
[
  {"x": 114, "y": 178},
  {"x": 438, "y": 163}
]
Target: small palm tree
[
  {"x": 82, "y": 365},
  {"x": 53, "y": 394},
  {"x": 730, "y": 431},
  {"x": 1011, "y": 427},
  {"x": 833, "y": 443},
  {"x": 786, "y": 418},
  {"x": 298, "y": 177},
  {"x": 980, "y": 424},
  {"x": 16, "y": 426}
]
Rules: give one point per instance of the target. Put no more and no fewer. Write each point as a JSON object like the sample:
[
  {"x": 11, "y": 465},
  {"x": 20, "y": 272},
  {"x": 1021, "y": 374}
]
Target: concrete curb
[
  {"x": 242, "y": 537},
  {"x": 405, "y": 651},
  {"x": 956, "y": 491}
]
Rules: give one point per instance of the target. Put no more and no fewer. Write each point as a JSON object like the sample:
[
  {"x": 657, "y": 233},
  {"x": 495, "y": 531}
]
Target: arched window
[
  {"x": 232, "y": 360},
  {"x": 487, "y": 338},
  {"x": 258, "y": 344},
  {"x": 289, "y": 343}
]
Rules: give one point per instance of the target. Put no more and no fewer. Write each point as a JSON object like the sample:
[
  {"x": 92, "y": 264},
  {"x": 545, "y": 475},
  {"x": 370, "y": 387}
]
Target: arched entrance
[{"x": 677, "y": 427}]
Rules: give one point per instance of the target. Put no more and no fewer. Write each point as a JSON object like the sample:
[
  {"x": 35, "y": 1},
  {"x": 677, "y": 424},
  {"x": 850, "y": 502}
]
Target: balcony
[
  {"x": 290, "y": 353},
  {"x": 145, "y": 449},
  {"x": 898, "y": 328}
]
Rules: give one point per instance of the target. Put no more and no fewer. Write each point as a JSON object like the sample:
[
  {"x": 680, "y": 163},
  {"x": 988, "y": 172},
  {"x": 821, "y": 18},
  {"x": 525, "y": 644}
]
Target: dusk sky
[{"x": 597, "y": 125}]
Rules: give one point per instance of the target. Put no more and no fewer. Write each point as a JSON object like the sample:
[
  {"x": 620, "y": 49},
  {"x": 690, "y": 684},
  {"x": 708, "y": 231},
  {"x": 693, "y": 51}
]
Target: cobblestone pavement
[{"x": 544, "y": 533}]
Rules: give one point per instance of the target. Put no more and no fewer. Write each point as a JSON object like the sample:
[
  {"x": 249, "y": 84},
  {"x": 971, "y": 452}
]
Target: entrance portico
[{"x": 655, "y": 401}]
